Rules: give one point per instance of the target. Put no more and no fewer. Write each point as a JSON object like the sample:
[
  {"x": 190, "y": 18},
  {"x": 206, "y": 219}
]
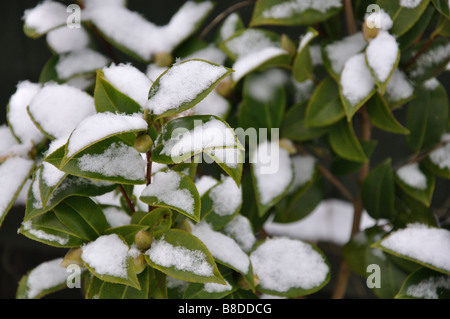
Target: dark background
[{"x": 22, "y": 58}]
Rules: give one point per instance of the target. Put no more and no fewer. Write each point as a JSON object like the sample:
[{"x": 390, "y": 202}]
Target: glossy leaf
[
  {"x": 157, "y": 219},
  {"x": 110, "y": 290},
  {"x": 443, "y": 7},
  {"x": 344, "y": 142},
  {"x": 381, "y": 116},
  {"x": 425, "y": 284},
  {"x": 303, "y": 67},
  {"x": 423, "y": 195}
]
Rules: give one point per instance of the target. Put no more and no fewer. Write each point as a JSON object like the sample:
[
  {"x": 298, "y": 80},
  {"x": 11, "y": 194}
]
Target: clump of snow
[
  {"x": 37, "y": 204},
  {"x": 410, "y": 4},
  {"x": 428, "y": 288},
  {"x": 422, "y": 243},
  {"x": 17, "y": 116},
  {"x": 100, "y": 126},
  {"x": 153, "y": 71},
  {"x": 40, "y": 234},
  {"x": 167, "y": 255},
  {"x": 304, "y": 40},
  {"x": 290, "y": 8},
  {"x": 412, "y": 176},
  {"x": 356, "y": 81},
  {"x": 212, "y": 104},
  {"x": 303, "y": 90},
  {"x": 210, "y": 53},
  {"x": 59, "y": 108},
  {"x": 431, "y": 84},
  {"x": 64, "y": 39},
  {"x": 282, "y": 264},
  {"x": 116, "y": 217},
  {"x": 262, "y": 87},
  {"x": 47, "y": 275},
  {"x": 315, "y": 51},
  {"x": 107, "y": 255},
  {"x": 215, "y": 288},
  {"x": 399, "y": 87},
  {"x": 272, "y": 168},
  {"x": 90, "y": 4},
  {"x": 165, "y": 187},
  {"x": 430, "y": 58},
  {"x": 51, "y": 175},
  {"x": 79, "y": 62},
  {"x": 228, "y": 27},
  {"x": 182, "y": 84},
  {"x": 338, "y": 52},
  {"x": 45, "y": 16},
  {"x": 441, "y": 156},
  {"x": 130, "y": 81},
  {"x": 304, "y": 167},
  {"x": 240, "y": 229},
  {"x": 204, "y": 183},
  {"x": 222, "y": 247},
  {"x": 226, "y": 197},
  {"x": 249, "y": 41},
  {"x": 382, "y": 54},
  {"x": 380, "y": 20},
  {"x": 118, "y": 159}
]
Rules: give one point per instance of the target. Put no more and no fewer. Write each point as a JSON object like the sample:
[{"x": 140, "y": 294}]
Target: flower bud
[
  {"x": 139, "y": 263},
  {"x": 143, "y": 143},
  {"x": 369, "y": 32},
  {"x": 73, "y": 257},
  {"x": 143, "y": 240},
  {"x": 163, "y": 59},
  {"x": 225, "y": 87},
  {"x": 243, "y": 283},
  {"x": 184, "y": 225}
]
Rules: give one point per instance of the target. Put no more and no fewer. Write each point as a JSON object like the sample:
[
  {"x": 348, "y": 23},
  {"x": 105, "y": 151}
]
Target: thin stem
[
  {"x": 222, "y": 16},
  {"x": 127, "y": 199},
  {"x": 350, "y": 18},
  {"x": 149, "y": 174}
]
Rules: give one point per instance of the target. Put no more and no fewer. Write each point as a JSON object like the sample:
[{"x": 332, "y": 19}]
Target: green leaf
[
  {"x": 166, "y": 98},
  {"x": 325, "y": 106},
  {"x": 435, "y": 163},
  {"x": 425, "y": 283},
  {"x": 93, "y": 287},
  {"x": 230, "y": 160},
  {"x": 302, "y": 69},
  {"x": 343, "y": 167},
  {"x": 404, "y": 18},
  {"x": 293, "y": 126},
  {"x": 182, "y": 256},
  {"x": 289, "y": 13},
  {"x": 408, "y": 210},
  {"x": 158, "y": 284},
  {"x": 82, "y": 216},
  {"x": 443, "y": 26},
  {"x": 381, "y": 116},
  {"x": 127, "y": 232},
  {"x": 31, "y": 285},
  {"x": 158, "y": 219},
  {"x": 344, "y": 142},
  {"x": 48, "y": 72},
  {"x": 47, "y": 229},
  {"x": 378, "y": 191},
  {"x": 107, "y": 98},
  {"x": 110, "y": 290},
  {"x": 173, "y": 190},
  {"x": 211, "y": 290},
  {"x": 443, "y": 7},
  {"x": 416, "y": 31},
  {"x": 421, "y": 194},
  {"x": 427, "y": 117}
]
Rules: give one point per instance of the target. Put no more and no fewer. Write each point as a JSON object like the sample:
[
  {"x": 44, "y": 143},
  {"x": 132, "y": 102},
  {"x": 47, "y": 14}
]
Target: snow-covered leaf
[
  {"x": 173, "y": 190},
  {"x": 294, "y": 12},
  {"x": 46, "y": 16},
  {"x": 183, "y": 256},
  {"x": 438, "y": 160},
  {"x": 344, "y": 142},
  {"x": 381, "y": 116},
  {"x": 399, "y": 89},
  {"x": 229, "y": 26},
  {"x": 241, "y": 230},
  {"x": 425, "y": 284},
  {"x": 416, "y": 182},
  {"x": 79, "y": 62},
  {"x": 208, "y": 291},
  {"x": 303, "y": 63},
  {"x": 64, "y": 39}
]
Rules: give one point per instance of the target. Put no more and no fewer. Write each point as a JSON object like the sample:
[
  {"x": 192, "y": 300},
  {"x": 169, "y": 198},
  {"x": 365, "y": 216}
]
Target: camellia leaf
[
  {"x": 425, "y": 283},
  {"x": 436, "y": 162},
  {"x": 183, "y": 85},
  {"x": 182, "y": 256},
  {"x": 303, "y": 66},
  {"x": 231, "y": 160},
  {"x": 173, "y": 190},
  {"x": 381, "y": 116},
  {"x": 127, "y": 232},
  {"x": 289, "y": 12},
  {"x": 343, "y": 167},
  {"x": 408, "y": 210},
  {"x": 110, "y": 290},
  {"x": 414, "y": 33},
  {"x": 443, "y": 7},
  {"x": 416, "y": 182},
  {"x": 157, "y": 219},
  {"x": 344, "y": 142},
  {"x": 43, "y": 18}
]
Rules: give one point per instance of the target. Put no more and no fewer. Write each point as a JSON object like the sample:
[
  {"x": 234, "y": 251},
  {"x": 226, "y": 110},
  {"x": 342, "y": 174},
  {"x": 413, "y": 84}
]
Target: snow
[
  {"x": 210, "y": 53},
  {"x": 212, "y": 104},
  {"x": 231, "y": 157},
  {"x": 428, "y": 288},
  {"x": 315, "y": 51},
  {"x": 153, "y": 71},
  {"x": 410, "y": 4},
  {"x": 204, "y": 183},
  {"x": 7, "y": 141},
  {"x": 399, "y": 87},
  {"x": 430, "y": 58},
  {"x": 262, "y": 87},
  {"x": 222, "y": 247},
  {"x": 412, "y": 176},
  {"x": 431, "y": 84},
  {"x": 228, "y": 27},
  {"x": 107, "y": 255},
  {"x": 380, "y": 20},
  {"x": 45, "y": 16},
  {"x": 182, "y": 84},
  {"x": 330, "y": 221},
  {"x": 206, "y": 135},
  {"x": 356, "y": 81},
  {"x": 304, "y": 168},
  {"x": 13, "y": 171},
  {"x": 247, "y": 63},
  {"x": 116, "y": 217},
  {"x": 64, "y": 39},
  {"x": 59, "y": 108},
  {"x": 304, "y": 40},
  {"x": 136, "y": 34},
  {"x": 215, "y": 288},
  {"x": 40, "y": 234},
  {"x": 441, "y": 156},
  {"x": 165, "y": 187},
  {"x": 282, "y": 264},
  {"x": 240, "y": 229},
  {"x": 100, "y": 126},
  {"x": 90, "y": 4},
  {"x": 303, "y": 90},
  {"x": 130, "y": 81},
  {"x": 17, "y": 116},
  {"x": 273, "y": 172},
  {"x": 421, "y": 243},
  {"x": 37, "y": 204},
  {"x": 290, "y": 8},
  {"x": 338, "y": 52},
  {"x": 82, "y": 82},
  {"x": 79, "y": 62},
  {"x": 226, "y": 197},
  {"x": 47, "y": 275},
  {"x": 118, "y": 159},
  {"x": 51, "y": 175},
  {"x": 249, "y": 41},
  {"x": 182, "y": 259},
  {"x": 382, "y": 53}
]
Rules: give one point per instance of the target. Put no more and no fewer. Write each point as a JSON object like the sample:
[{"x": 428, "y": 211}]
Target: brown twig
[
  {"x": 127, "y": 199},
  {"x": 149, "y": 174}
]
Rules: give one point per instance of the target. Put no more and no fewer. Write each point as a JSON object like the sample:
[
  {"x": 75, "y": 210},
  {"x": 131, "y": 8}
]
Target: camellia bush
[{"x": 164, "y": 174}]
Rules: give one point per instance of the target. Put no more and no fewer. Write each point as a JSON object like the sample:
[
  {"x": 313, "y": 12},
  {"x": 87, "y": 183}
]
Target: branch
[
  {"x": 127, "y": 199},
  {"x": 350, "y": 18},
  {"x": 420, "y": 52}
]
